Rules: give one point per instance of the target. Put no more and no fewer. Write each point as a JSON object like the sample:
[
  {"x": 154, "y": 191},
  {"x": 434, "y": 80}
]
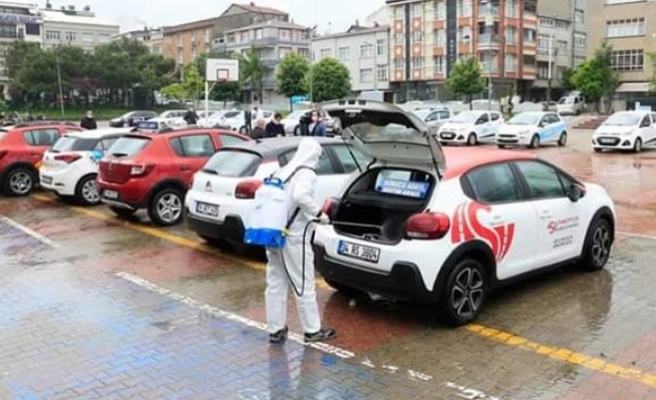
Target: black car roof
[{"x": 273, "y": 147}]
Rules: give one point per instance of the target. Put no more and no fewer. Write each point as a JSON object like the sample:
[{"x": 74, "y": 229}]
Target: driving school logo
[
  {"x": 560, "y": 225},
  {"x": 467, "y": 227}
]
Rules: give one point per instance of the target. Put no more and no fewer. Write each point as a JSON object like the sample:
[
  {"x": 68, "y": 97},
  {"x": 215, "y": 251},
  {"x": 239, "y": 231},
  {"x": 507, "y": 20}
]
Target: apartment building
[
  {"x": 363, "y": 50},
  {"x": 153, "y": 38},
  {"x": 73, "y": 27},
  {"x": 629, "y": 27},
  {"x": 19, "y": 20},
  {"x": 428, "y": 37},
  {"x": 185, "y": 42},
  {"x": 273, "y": 39}
]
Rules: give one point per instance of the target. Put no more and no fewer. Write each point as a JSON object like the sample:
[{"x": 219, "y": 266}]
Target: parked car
[
  {"x": 471, "y": 128},
  {"x": 533, "y": 129},
  {"x": 236, "y": 120},
  {"x": 131, "y": 119},
  {"x": 445, "y": 228},
  {"x": 153, "y": 172},
  {"x": 626, "y": 130},
  {"x": 221, "y": 197},
  {"x": 434, "y": 117},
  {"x": 70, "y": 167},
  {"x": 292, "y": 122},
  {"x": 21, "y": 150},
  {"x": 570, "y": 105},
  {"x": 170, "y": 118}
]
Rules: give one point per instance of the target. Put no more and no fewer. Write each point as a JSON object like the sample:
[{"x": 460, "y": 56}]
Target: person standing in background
[
  {"x": 88, "y": 122},
  {"x": 275, "y": 128},
  {"x": 316, "y": 126}
]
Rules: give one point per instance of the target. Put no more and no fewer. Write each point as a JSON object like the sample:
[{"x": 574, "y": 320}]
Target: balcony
[
  {"x": 491, "y": 14},
  {"x": 8, "y": 35},
  {"x": 488, "y": 41}
]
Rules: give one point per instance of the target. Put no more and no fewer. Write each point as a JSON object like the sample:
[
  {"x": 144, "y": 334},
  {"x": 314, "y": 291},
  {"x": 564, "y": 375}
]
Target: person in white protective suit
[{"x": 300, "y": 188}]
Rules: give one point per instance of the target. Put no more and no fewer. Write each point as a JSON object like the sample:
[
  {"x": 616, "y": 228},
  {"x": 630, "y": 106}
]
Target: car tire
[
  {"x": 297, "y": 130},
  {"x": 501, "y": 146},
  {"x": 86, "y": 191},
  {"x": 598, "y": 245},
  {"x": 535, "y": 142},
  {"x": 19, "y": 182},
  {"x": 464, "y": 293},
  {"x": 472, "y": 140},
  {"x": 562, "y": 140},
  {"x": 122, "y": 212},
  {"x": 344, "y": 289},
  {"x": 596, "y": 150},
  {"x": 166, "y": 207},
  {"x": 637, "y": 146}
]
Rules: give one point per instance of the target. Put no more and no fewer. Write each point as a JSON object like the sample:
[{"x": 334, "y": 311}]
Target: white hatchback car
[
  {"x": 434, "y": 117},
  {"x": 70, "y": 167},
  {"x": 626, "y": 130},
  {"x": 533, "y": 129},
  {"x": 471, "y": 128},
  {"x": 221, "y": 196},
  {"x": 236, "y": 120},
  {"x": 446, "y": 228}
]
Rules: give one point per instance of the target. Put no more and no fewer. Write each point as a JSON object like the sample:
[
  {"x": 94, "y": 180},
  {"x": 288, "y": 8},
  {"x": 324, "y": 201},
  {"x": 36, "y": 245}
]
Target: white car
[
  {"x": 213, "y": 119},
  {"x": 236, "y": 120},
  {"x": 445, "y": 228},
  {"x": 292, "y": 122},
  {"x": 533, "y": 129},
  {"x": 221, "y": 196},
  {"x": 170, "y": 118},
  {"x": 626, "y": 130},
  {"x": 570, "y": 105},
  {"x": 433, "y": 117},
  {"x": 70, "y": 167},
  {"x": 471, "y": 128}
]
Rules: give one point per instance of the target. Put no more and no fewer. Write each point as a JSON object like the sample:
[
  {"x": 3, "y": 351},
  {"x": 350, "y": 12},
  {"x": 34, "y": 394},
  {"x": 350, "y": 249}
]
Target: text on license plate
[
  {"x": 46, "y": 179},
  {"x": 360, "y": 252},
  {"x": 110, "y": 194},
  {"x": 207, "y": 209},
  {"x": 607, "y": 140}
]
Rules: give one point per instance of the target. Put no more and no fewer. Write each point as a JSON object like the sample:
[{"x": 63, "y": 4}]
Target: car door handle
[{"x": 185, "y": 168}]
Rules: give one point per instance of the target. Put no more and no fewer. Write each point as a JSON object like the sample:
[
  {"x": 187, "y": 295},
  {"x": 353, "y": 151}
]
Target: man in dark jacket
[
  {"x": 191, "y": 118},
  {"x": 88, "y": 122},
  {"x": 275, "y": 127}
]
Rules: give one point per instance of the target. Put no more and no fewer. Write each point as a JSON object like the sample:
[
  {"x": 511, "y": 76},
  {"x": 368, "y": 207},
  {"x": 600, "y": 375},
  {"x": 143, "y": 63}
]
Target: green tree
[
  {"x": 567, "y": 83},
  {"x": 595, "y": 77},
  {"x": 175, "y": 91},
  {"x": 251, "y": 71},
  {"x": 466, "y": 79},
  {"x": 329, "y": 79},
  {"x": 291, "y": 75}
]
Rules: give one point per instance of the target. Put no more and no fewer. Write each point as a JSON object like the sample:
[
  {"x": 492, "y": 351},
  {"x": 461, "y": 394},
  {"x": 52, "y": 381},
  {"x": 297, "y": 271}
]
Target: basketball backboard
[{"x": 222, "y": 70}]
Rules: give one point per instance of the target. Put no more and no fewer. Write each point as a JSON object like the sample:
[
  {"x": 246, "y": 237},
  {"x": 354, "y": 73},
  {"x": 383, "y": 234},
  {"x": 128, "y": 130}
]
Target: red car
[
  {"x": 153, "y": 171},
  {"x": 21, "y": 150}
]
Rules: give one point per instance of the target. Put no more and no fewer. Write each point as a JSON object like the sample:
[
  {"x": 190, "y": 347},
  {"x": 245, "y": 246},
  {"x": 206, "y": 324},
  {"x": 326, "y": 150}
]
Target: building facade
[
  {"x": 428, "y": 37},
  {"x": 19, "y": 20},
  {"x": 69, "y": 26},
  {"x": 273, "y": 40},
  {"x": 629, "y": 28},
  {"x": 363, "y": 50},
  {"x": 153, "y": 38}
]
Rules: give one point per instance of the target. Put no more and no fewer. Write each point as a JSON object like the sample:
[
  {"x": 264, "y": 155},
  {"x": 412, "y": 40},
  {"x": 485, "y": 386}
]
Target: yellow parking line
[
  {"x": 160, "y": 234},
  {"x": 565, "y": 355}
]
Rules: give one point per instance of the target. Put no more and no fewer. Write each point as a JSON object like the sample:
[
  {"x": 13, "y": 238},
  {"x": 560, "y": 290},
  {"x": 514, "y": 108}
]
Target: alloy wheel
[
  {"x": 90, "y": 192},
  {"x": 20, "y": 182},
  {"x": 467, "y": 292},
  {"x": 601, "y": 243},
  {"x": 169, "y": 208}
]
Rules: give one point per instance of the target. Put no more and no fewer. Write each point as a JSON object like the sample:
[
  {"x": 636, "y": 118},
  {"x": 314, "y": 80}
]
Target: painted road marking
[
  {"x": 561, "y": 354},
  {"x": 565, "y": 355},
  {"x": 28, "y": 231},
  {"x": 636, "y": 235}
]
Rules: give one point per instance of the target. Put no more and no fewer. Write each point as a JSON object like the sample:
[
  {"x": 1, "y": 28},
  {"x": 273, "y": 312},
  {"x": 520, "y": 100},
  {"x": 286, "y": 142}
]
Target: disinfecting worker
[{"x": 293, "y": 264}]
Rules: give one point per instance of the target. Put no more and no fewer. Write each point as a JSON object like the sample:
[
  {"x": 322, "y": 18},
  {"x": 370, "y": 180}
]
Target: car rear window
[
  {"x": 233, "y": 163},
  {"x": 68, "y": 143},
  {"x": 128, "y": 146}
]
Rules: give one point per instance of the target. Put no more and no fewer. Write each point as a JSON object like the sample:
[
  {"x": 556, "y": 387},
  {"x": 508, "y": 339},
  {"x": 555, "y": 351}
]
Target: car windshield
[
  {"x": 524, "y": 119},
  {"x": 623, "y": 119},
  {"x": 128, "y": 146},
  {"x": 231, "y": 114},
  {"x": 233, "y": 163},
  {"x": 466, "y": 117},
  {"x": 68, "y": 143},
  {"x": 422, "y": 113},
  {"x": 566, "y": 100}
]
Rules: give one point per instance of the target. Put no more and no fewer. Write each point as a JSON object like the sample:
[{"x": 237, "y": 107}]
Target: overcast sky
[{"x": 133, "y": 14}]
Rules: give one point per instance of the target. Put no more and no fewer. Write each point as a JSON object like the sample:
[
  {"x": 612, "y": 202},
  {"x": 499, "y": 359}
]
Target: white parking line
[
  {"x": 28, "y": 231},
  {"x": 636, "y": 235}
]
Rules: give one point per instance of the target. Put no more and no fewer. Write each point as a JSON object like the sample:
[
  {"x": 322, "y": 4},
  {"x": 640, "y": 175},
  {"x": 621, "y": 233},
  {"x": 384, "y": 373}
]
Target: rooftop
[
  {"x": 66, "y": 18},
  {"x": 211, "y": 21},
  {"x": 252, "y": 7},
  {"x": 270, "y": 24},
  {"x": 354, "y": 31}
]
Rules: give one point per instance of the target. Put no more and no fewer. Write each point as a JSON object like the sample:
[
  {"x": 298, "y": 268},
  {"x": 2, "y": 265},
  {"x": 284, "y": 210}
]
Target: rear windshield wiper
[
  {"x": 210, "y": 171},
  {"x": 119, "y": 155}
]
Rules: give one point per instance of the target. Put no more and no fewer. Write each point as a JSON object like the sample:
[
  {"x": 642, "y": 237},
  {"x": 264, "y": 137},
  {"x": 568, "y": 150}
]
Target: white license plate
[
  {"x": 110, "y": 194},
  {"x": 207, "y": 209},
  {"x": 365, "y": 253},
  {"x": 607, "y": 141},
  {"x": 46, "y": 180}
]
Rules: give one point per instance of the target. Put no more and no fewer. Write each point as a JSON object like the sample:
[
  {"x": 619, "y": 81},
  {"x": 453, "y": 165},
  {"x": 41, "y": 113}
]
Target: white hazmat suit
[{"x": 301, "y": 191}]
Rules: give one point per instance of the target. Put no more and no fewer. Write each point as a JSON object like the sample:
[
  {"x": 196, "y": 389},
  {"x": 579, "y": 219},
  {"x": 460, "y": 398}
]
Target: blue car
[{"x": 532, "y": 129}]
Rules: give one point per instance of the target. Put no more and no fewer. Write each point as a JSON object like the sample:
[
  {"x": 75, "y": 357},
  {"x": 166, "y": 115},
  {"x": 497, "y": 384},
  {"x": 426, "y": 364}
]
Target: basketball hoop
[{"x": 222, "y": 75}]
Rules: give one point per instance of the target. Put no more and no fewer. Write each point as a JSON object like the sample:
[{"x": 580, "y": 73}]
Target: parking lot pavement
[{"x": 94, "y": 307}]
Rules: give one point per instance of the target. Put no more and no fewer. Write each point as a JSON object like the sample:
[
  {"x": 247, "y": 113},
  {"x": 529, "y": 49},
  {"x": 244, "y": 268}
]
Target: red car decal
[{"x": 467, "y": 227}]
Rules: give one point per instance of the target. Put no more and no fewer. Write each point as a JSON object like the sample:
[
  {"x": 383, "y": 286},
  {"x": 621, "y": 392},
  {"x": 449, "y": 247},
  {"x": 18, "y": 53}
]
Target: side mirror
[{"x": 575, "y": 193}]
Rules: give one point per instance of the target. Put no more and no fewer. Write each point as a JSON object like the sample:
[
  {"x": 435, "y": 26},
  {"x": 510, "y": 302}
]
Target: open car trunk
[{"x": 378, "y": 204}]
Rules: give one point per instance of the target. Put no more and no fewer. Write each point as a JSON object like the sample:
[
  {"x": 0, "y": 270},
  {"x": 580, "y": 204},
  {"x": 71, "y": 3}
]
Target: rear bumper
[
  {"x": 131, "y": 195},
  {"x": 230, "y": 230},
  {"x": 61, "y": 182},
  {"x": 404, "y": 282}
]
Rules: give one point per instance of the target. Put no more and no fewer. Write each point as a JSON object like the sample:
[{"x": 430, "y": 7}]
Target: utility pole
[
  {"x": 489, "y": 25},
  {"x": 549, "y": 73}
]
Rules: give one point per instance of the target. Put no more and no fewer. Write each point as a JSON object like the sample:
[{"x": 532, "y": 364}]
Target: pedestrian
[
  {"x": 248, "y": 121},
  {"x": 88, "y": 122},
  {"x": 292, "y": 265},
  {"x": 28, "y": 116},
  {"x": 259, "y": 132},
  {"x": 316, "y": 126},
  {"x": 190, "y": 117},
  {"x": 275, "y": 127}
]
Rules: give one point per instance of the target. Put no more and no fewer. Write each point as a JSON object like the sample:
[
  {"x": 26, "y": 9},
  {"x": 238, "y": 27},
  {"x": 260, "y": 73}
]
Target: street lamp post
[{"x": 489, "y": 25}]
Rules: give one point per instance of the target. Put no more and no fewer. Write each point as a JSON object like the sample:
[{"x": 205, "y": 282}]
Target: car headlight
[{"x": 628, "y": 133}]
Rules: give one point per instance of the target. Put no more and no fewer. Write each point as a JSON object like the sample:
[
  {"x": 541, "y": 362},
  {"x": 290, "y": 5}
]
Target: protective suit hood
[{"x": 307, "y": 155}]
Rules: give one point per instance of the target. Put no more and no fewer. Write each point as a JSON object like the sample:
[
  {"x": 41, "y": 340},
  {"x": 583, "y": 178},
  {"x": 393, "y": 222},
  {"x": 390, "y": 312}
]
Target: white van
[{"x": 570, "y": 105}]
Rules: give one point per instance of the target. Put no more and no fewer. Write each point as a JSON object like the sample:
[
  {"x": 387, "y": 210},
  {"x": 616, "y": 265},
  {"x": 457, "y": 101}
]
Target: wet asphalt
[{"x": 565, "y": 335}]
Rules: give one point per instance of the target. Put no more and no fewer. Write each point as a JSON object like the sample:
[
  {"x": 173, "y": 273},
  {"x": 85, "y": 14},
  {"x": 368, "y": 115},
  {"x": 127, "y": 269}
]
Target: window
[
  {"x": 346, "y": 159},
  {"x": 440, "y": 10},
  {"x": 511, "y": 35},
  {"x": 562, "y": 46},
  {"x": 229, "y": 140},
  {"x": 53, "y": 35},
  {"x": 444, "y": 114},
  {"x": 381, "y": 47},
  {"x": 627, "y": 60},
  {"x": 284, "y": 34},
  {"x": 232, "y": 163},
  {"x": 344, "y": 53},
  {"x": 259, "y": 33},
  {"x": 543, "y": 43},
  {"x": 438, "y": 65},
  {"x": 193, "y": 146},
  {"x": 87, "y": 37},
  {"x": 399, "y": 63},
  {"x": 510, "y": 62},
  {"x": 366, "y": 75},
  {"x": 543, "y": 181},
  {"x": 579, "y": 16},
  {"x": 494, "y": 184},
  {"x": 324, "y": 166},
  {"x": 41, "y": 137},
  {"x": 625, "y": 27},
  {"x": 417, "y": 36},
  {"x": 381, "y": 73},
  {"x": 283, "y": 51},
  {"x": 416, "y": 10},
  {"x": 464, "y": 34},
  {"x": 399, "y": 12},
  {"x": 495, "y": 116},
  {"x": 646, "y": 122},
  {"x": 325, "y": 53},
  {"x": 399, "y": 38},
  {"x": 69, "y": 143},
  {"x": 439, "y": 37},
  {"x": 580, "y": 40},
  {"x": 417, "y": 62},
  {"x": 464, "y": 8},
  {"x": 547, "y": 22},
  {"x": 529, "y": 35},
  {"x": 103, "y": 38},
  {"x": 483, "y": 119},
  {"x": 32, "y": 29},
  {"x": 512, "y": 8},
  {"x": 366, "y": 50},
  {"x": 70, "y": 36}
]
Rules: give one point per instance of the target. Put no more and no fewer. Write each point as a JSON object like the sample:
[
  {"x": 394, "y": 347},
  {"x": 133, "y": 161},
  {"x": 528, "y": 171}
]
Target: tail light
[
  {"x": 247, "y": 189},
  {"x": 329, "y": 206},
  {"x": 427, "y": 226},
  {"x": 138, "y": 171},
  {"x": 68, "y": 158}
]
